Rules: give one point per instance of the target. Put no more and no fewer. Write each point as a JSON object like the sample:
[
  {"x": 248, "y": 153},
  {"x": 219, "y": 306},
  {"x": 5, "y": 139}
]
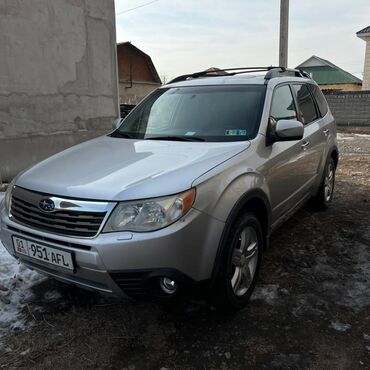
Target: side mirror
[
  {"x": 287, "y": 130},
  {"x": 116, "y": 123}
]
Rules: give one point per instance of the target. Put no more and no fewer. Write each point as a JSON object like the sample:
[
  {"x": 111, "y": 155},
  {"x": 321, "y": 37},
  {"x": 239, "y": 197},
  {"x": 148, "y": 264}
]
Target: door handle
[
  {"x": 326, "y": 132},
  {"x": 305, "y": 145}
]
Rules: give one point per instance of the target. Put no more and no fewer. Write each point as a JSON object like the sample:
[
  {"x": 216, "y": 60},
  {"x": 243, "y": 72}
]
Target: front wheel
[
  {"x": 325, "y": 194},
  {"x": 240, "y": 263}
]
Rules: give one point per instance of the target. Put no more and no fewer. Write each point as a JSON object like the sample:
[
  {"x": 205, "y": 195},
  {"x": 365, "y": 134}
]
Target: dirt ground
[{"x": 311, "y": 309}]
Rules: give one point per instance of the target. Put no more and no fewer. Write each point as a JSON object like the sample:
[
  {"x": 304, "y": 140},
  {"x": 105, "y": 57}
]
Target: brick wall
[{"x": 350, "y": 108}]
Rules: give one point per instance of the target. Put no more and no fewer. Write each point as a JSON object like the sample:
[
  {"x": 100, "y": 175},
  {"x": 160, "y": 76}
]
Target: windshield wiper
[{"x": 175, "y": 138}]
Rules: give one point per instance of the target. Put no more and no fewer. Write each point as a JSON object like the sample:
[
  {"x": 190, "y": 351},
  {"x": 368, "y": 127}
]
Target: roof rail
[
  {"x": 272, "y": 71},
  {"x": 216, "y": 72},
  {"x": 282, "y": 71}
]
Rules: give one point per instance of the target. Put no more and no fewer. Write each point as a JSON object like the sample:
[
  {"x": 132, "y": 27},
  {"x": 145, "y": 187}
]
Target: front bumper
[{"x": 126, "y": 263}]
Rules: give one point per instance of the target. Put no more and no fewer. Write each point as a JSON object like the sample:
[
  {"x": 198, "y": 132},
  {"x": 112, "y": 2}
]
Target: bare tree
[{"x": 164, "y": 78}]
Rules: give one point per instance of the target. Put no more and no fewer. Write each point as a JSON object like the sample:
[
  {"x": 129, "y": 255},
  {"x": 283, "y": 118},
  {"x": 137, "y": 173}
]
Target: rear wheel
[
  {"x": 326, "y": 191},
  {"x": 241, "y": 259}
]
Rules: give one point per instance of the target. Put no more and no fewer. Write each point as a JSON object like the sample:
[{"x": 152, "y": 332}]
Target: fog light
[{"x": 168, "y": 285}]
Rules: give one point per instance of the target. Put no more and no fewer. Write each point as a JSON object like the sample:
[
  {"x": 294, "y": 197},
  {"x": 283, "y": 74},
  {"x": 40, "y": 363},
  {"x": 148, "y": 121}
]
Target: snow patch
[
  {"x": 345, "y": 137},
  {"x": 26, "y": 352},
  {"x": 52, "y": 295},
  {"x": 341, "y": 136},
  {"x": 15, "y": 283},
  {"x": 353, "y": 290},
  {"x": 269, "y": 293},
  {"x": 339, "y": 326}
]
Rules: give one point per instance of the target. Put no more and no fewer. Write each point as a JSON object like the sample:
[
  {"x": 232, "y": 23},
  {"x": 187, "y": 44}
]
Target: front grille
[
  {"x": 49, "y": 240},
  {"x": 65, "y": 221}
]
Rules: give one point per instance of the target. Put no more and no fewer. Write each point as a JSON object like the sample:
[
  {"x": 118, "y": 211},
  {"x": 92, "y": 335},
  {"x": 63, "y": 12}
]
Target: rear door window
[
  {"x": 306, "y": 105},
  {"x": 320, "y": 99}
]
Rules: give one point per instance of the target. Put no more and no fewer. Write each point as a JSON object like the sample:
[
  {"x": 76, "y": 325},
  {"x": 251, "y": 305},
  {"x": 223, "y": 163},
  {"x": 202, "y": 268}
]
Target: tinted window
[
  {"x": 305, "y": 103},
  {"x": 282, "y": 106},
  {"x": 211, "y": 113},
  {"x": 320, "y": 99}
]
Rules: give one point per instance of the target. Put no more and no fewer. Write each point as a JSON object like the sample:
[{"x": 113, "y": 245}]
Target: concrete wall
[
  {"x": 350, "y": 108},
  {"x": 58, "y": 77}
]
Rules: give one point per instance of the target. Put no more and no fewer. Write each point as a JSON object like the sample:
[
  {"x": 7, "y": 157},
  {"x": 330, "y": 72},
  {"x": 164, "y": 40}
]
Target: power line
[{"x": 137, "y": 7}]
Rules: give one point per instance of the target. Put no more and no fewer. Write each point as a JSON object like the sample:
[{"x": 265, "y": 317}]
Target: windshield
[{"x": 205, "y": 113}]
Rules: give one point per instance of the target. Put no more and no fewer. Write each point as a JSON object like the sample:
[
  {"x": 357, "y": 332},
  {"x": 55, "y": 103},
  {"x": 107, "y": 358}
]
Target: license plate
[{"x": 43, "y": 253}]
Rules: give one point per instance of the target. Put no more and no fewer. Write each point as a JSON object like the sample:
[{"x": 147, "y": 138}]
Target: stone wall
[
  {"x": 350, "y": 108},
  {"x": 58, "y": 77}
]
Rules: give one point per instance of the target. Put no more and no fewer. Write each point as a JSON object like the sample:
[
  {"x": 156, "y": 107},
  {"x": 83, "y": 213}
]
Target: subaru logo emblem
[{"x": 46, "y": 205}]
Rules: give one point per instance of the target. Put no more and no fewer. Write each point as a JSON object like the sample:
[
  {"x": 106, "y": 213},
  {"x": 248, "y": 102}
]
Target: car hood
[{"x": 110, "y": 168}]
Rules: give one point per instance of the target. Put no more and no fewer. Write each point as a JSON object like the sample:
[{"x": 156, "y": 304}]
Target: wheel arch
[
  {"x": 335, "y": 155},
  {"x": 254, "y": 201}
]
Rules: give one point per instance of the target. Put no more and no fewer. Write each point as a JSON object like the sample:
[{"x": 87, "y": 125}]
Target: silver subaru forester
[{"x": 184, "y": 192}]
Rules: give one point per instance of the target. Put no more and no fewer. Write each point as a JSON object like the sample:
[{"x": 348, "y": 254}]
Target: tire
[
  {"x": 240, "y": 263},
  {"x": 325, "y": 194}
]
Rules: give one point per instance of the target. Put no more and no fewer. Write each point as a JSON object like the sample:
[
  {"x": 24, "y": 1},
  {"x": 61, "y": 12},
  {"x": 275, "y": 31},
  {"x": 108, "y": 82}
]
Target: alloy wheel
[
  {"x": 244, "y": 261},
  {"x": 329, "y": 182}
]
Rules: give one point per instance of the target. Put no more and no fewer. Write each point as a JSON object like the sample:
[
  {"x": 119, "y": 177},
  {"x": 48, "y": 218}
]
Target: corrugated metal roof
[{"x": 328, "y": 73}]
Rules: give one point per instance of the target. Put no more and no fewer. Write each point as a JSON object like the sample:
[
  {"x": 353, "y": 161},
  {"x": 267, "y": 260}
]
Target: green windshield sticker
[
  {"x": 190, "y": 133},
  {"x": 236, "y": 132}
]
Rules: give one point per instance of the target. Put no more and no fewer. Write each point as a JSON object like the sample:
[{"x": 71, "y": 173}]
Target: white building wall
[{"x": 366, "y": 78}]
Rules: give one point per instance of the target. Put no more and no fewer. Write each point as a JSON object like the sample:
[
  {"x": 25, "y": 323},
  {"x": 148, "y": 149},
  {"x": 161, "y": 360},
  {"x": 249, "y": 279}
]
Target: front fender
[{"x": 218, "y": 193}]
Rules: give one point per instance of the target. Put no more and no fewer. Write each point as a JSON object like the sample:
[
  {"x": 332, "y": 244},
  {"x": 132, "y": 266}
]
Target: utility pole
[{"x": 284, "y": 25}]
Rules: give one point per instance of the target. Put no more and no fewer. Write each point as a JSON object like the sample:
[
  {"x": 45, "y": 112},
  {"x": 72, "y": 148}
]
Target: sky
[{"x": 184, "y": 36}]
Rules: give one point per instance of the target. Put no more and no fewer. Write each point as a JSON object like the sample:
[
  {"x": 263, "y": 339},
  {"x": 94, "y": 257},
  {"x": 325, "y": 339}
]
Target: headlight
[
  {"x": 8, "y": 197},
  {"x": 149, "y": 214}
]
